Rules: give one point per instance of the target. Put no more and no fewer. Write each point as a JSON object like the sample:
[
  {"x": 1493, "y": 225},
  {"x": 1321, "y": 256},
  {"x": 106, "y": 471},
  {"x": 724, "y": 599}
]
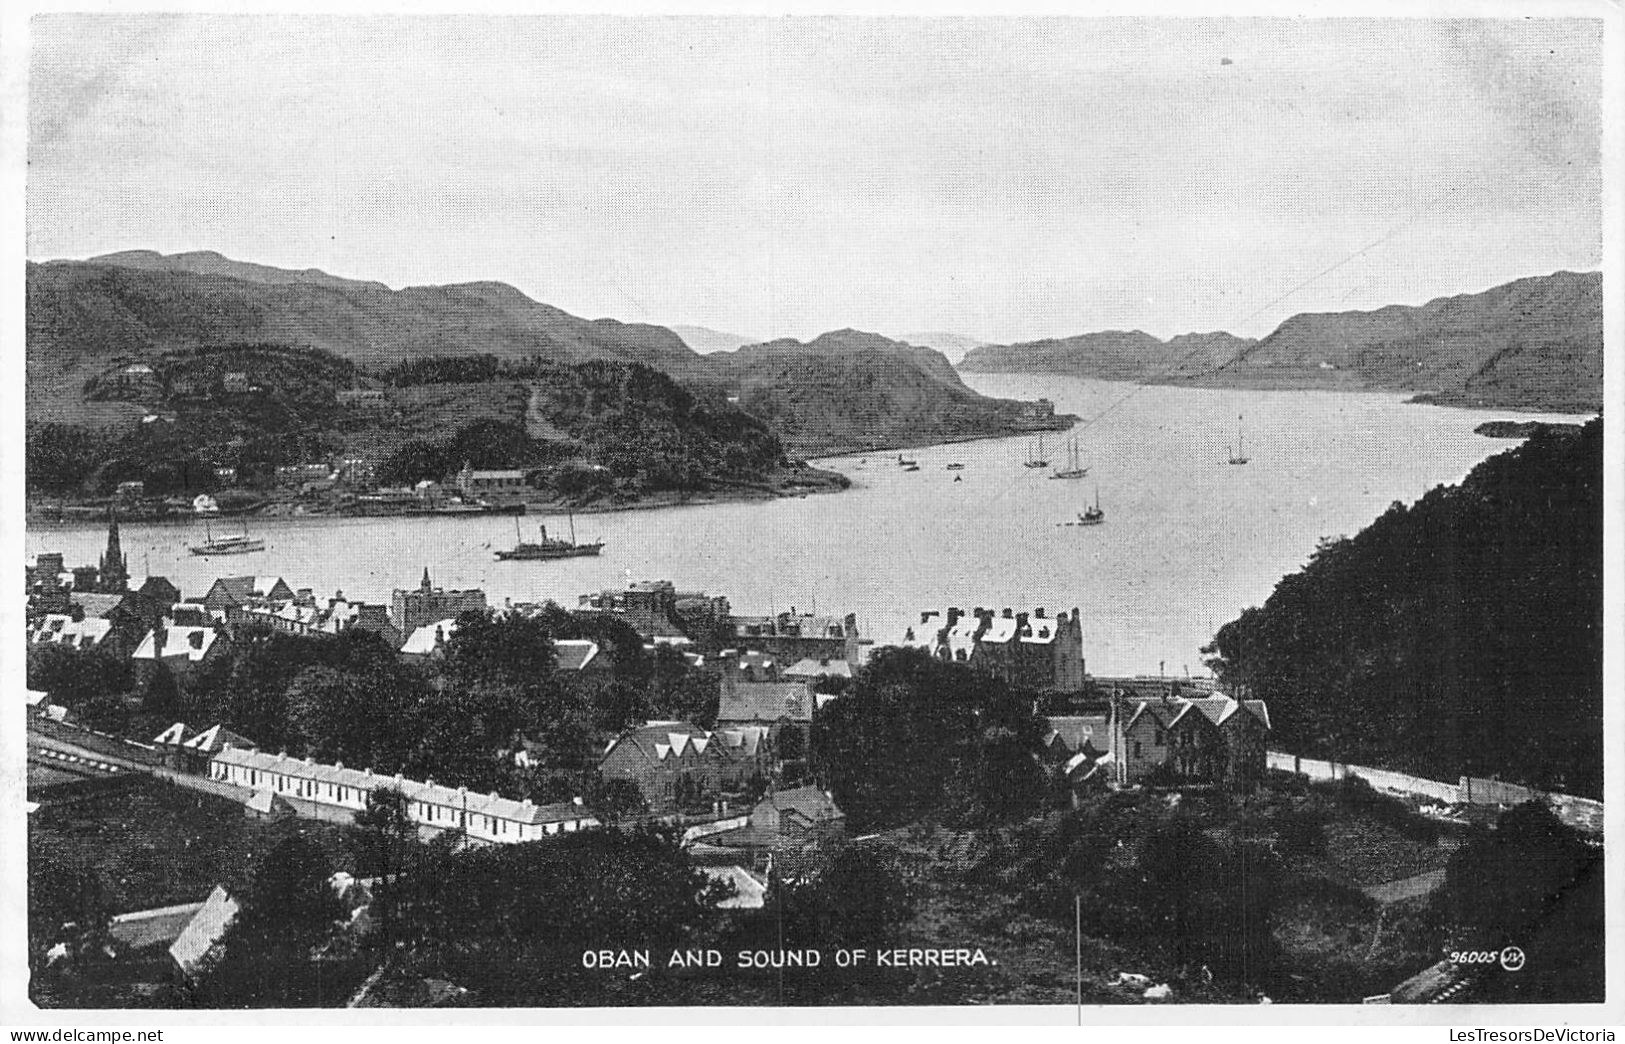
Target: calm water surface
[{"x": 1189, "y": 541}]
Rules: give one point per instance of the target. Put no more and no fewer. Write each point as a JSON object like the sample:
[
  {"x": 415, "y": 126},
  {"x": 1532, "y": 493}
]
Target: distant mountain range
[
  {"x": 88, "y": 320},
  {"x": 1532, "y": 343},
  {"x": 705, "y": 340}
]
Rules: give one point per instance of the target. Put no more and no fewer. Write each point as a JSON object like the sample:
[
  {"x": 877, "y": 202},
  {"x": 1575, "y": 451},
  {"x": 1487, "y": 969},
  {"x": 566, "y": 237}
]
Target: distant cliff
[
  {"x": 1532, "y": 343},
  {"x": 850, "y": 390}
]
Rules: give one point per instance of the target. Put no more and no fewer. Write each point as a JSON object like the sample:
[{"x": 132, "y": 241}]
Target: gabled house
[
  {"x": 1205, "y": 739},
  {"x": 793, "y": 832},
  {"x": 234, "y": 592},
  {"x": 678, "y": 765},
  {"x": 178, "y": 647}
]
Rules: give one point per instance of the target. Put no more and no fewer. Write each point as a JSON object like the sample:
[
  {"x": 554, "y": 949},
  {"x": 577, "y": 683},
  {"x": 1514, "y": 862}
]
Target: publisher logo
[{"x": 1512, "y": 959}]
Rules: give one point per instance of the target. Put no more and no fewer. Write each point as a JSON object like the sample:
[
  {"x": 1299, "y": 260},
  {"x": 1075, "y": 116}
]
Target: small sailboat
[
  {"x": 1239, "y": 454},
  {"x": 1036, "y": 458},
  {"x": 549, "y": 547},
  {"x": 1092, "y": 516},
  {"x": 232, "y": 545},
  {"x": 1074, "y": 468},
  {"x": 907, "y": 465}
]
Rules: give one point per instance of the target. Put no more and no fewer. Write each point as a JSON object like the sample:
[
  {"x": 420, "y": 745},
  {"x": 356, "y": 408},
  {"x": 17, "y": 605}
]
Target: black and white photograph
[{"x": 715, "y": 512}]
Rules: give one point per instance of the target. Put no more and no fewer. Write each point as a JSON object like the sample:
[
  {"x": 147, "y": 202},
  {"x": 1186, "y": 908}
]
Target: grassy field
[{"x": 157, "y": 844}]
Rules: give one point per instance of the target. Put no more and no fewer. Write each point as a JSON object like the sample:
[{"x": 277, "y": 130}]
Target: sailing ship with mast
[
  {"x": 1074, "y": 468},
  {"x": 1239, "y": 454},
  {"x": 1036, "y": 459},
  {"x": 1092, "y": 516},
  {"x": 230, "y": 545},
  {"x": 549, "y": 547}
]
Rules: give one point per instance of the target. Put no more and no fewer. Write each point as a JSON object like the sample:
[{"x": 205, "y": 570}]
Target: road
[{"x": 1406, "y": 887}]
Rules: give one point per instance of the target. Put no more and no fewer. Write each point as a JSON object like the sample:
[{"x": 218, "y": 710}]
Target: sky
[{"x": 1006, "y": 179}]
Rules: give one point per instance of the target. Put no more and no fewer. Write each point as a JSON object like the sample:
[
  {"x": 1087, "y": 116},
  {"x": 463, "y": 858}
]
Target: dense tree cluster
[
  {"x": 1532, "y": 883},
  {"x": 1459, "y": 635},
  {"x": 918, "y": 737},
  {"x": 632, "y": 430},
  {"x": 275, "y": 952}
]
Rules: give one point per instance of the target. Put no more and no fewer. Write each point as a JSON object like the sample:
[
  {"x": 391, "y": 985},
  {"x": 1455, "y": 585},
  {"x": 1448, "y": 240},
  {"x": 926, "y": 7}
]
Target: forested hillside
[{"x": 1462, "y": 634}]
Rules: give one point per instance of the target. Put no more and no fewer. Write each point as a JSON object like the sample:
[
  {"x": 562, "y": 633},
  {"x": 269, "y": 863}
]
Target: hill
[
  {"x": 951, "y": 345},
  {"x": 1532, "y": 343},
  {"x": 705, "y": 340},
  {"x": 1461, "y": 635},
  {"x": 1113, "y": 355},
  {"x": 849, "y": 391},
  {"x": 87, "y": 318}
]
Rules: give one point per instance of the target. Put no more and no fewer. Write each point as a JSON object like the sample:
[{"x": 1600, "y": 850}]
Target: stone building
[{"x": 427, "y": 604}]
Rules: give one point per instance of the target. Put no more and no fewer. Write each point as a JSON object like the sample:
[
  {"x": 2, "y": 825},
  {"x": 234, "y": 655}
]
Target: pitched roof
[
  {"x": 659, "y": 740},
  {"x": 766, "y": 701},
  {"x": 268, "y": 801},
  {"x": 177, "y": 641},
  {"x": 575, "y": 654},
  {"x": 204, "y": 930},
  {"x": 816, "y": 668},
  {"x": 422, "y": 641},
  {"x": 217, "y": 738},
  {"x": 95, "y": 603},
  {"x": 525, "y": 812},
  {"x": 36, "y": 698},
  {"x": 809, "y": 803},
  {"x": 175, "y": 734},
  {"x": 1075, "y": 731},
  {"x": 62, "y": 629}
]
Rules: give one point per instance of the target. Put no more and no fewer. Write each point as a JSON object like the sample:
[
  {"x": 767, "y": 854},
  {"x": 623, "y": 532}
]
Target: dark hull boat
[{"x": 549, "y": 548}]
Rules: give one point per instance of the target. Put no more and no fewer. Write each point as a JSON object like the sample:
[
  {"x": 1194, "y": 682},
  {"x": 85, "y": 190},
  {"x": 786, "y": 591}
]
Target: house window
[
  {"x": 1136, "y": 748},
  {"x": 1157, "y": 739}
]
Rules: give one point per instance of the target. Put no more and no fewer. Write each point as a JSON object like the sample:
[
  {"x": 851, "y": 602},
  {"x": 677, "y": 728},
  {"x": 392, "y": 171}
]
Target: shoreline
[{"x": 1313, "y": 381}]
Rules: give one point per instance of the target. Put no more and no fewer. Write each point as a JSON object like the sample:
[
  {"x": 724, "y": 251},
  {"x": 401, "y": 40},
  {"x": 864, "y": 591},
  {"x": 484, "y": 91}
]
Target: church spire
[
  {"x": 115, "y": 566},
  {"x": 426, "y": 585}
]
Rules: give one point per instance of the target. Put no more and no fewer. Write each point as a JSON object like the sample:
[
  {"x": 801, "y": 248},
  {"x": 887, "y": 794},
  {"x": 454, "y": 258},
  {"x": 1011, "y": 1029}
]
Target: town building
[
  {"x": 434, "y": 808},
  {"x": 754, "y": 695},
  {"x": 792, "y": 834},
  {"x": 498, "y": 484},
  {"x": 678, "y": 766},
  {"x": 236, "y": 592},
  {"x": 1208, "y": 739},
  {"x": 427, "y": 604},
  {"x": 1026, "y": 650},
  {"x": 657, "y": 610},
  {"x": 794, "y": 636},
  {"x": 179, "y": 646}
]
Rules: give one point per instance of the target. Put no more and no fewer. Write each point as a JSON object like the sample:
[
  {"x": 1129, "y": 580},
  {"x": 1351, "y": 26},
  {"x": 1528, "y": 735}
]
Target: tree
[
  {"x": 615, "y": 800},
  {"x": 267, "y": 955},
  {"x": 68, "y": 903},
  {"x": 386, "y": 839},
  {"x": 916, "y": 736}
]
